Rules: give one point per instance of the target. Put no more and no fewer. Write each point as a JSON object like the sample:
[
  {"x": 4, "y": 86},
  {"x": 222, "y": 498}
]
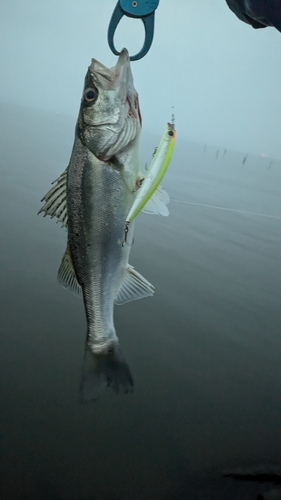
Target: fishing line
[{"x": 226, "y": 209}]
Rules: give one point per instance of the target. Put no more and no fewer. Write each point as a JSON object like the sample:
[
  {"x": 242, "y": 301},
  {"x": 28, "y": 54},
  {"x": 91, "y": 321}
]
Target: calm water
[{"x": 205, "y": 352}]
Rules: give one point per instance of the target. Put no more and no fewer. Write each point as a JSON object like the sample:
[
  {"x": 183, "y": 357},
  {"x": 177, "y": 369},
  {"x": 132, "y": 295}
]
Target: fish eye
[{"x": 90, "y": 95}]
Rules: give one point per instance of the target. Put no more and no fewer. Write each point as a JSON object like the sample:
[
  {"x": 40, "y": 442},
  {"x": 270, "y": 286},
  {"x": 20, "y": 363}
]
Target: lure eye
[
  {"x": 90, "y": 95},
  {"x": 171, "y": 133}
]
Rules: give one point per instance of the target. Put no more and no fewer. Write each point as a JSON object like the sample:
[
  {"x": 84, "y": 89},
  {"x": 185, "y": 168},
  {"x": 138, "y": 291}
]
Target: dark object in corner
[
  {"x": 257, "y": 13},
  {"x": 259, "y": 478}
]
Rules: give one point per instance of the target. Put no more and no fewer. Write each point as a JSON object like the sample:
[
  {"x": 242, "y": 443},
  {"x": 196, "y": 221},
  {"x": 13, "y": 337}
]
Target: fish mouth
[
  {"x": 127, "y": 90},
  {"x": 120, "y": 79},
  {"x": 123, "y": 73}
]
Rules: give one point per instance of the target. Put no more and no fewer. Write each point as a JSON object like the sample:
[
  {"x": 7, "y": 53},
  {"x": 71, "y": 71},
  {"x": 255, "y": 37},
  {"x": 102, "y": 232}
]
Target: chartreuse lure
[{"x": 156, "y": 171}]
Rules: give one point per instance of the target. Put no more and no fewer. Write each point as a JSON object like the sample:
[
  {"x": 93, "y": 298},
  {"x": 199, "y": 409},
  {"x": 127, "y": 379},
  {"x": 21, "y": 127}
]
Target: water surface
[{"x": 204, "y": 351}]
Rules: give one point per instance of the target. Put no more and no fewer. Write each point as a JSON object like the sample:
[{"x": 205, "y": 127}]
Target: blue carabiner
[{"x": 141, "y": 9}]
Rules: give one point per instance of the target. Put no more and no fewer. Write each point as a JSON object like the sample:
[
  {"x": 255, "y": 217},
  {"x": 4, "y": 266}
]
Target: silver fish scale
[{"x": 98, "y": 202}]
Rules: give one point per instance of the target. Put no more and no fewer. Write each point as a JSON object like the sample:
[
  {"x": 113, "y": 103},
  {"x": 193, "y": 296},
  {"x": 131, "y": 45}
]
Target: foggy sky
[{"x": 222, "y": 76}]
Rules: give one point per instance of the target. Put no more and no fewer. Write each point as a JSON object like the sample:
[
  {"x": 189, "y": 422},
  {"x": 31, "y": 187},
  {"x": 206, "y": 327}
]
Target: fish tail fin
[{"x": 105, "y": 369}]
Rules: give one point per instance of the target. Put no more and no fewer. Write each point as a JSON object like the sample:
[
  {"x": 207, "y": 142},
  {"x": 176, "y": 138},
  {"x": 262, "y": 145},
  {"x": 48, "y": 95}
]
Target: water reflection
[{"x": 205, "y": 350}]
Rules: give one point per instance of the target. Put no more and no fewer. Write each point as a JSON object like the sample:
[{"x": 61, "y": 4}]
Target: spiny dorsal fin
[
  {"x": 55, "y": 200},
  {"x": 157, "y": 203},
  {"x": 67, "y": 276},
  {"x": 134, "y": 286}
]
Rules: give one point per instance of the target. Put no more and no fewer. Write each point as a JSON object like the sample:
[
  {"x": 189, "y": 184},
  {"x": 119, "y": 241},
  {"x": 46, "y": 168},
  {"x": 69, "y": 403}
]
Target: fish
[{"x": 92, "y": 199}]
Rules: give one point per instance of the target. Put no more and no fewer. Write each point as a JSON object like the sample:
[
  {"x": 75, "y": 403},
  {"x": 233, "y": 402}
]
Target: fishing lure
[{"x": 156, "y": 171}]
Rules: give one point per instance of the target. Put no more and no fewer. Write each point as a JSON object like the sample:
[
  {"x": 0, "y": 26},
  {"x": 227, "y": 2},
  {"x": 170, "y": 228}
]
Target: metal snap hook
[{"x": 136, "y": 9}]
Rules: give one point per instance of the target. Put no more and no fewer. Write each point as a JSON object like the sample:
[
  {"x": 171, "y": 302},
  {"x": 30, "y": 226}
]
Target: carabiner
[{"x": 141, "y": 9}]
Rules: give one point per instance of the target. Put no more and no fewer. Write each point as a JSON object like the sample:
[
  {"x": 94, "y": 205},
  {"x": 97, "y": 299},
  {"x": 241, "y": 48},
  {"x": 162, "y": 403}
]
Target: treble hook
[{"x": 141, "y": 9}]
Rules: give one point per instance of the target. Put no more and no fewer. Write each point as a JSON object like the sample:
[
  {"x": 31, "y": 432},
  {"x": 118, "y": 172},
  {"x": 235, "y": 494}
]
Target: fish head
[{"x": 109, "y": 117}]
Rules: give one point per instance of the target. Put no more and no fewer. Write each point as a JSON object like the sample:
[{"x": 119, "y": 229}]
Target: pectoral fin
[
  {"x": 157, "y": 203},
  {"x": 67, "y": 276},
  {"x": 133, "y": 287},
  {"x": 55, "y": 200}
]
